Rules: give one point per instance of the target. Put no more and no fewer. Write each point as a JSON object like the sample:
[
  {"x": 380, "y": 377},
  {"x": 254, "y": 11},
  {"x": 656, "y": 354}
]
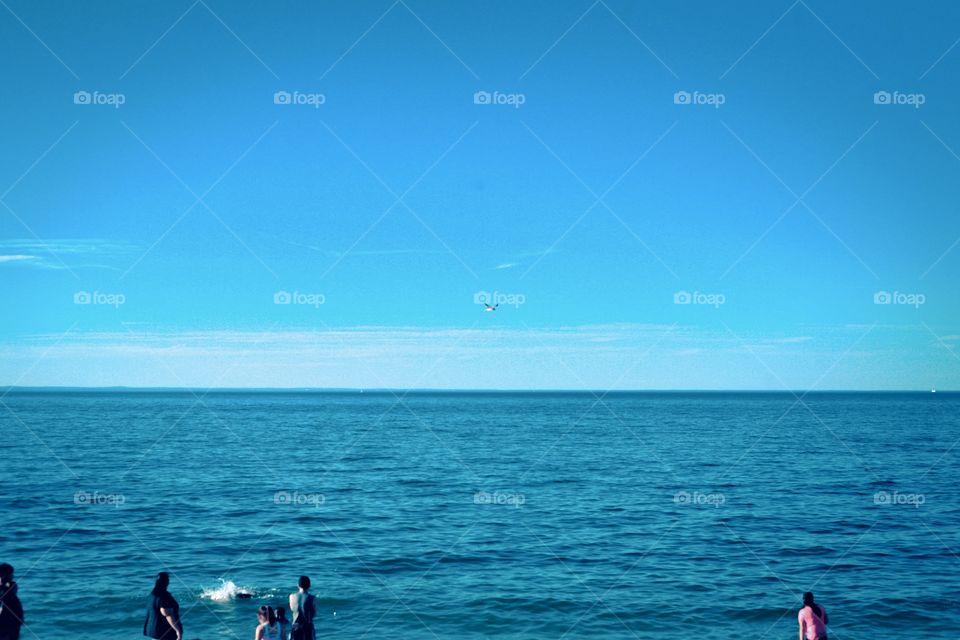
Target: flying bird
[{"x": 489, "y": 308}]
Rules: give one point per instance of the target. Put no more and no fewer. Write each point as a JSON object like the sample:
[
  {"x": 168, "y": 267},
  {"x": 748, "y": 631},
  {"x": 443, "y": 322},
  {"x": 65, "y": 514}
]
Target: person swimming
[
  {"x": 268, "y": 628},
  {"x": 812, "y": 619}
]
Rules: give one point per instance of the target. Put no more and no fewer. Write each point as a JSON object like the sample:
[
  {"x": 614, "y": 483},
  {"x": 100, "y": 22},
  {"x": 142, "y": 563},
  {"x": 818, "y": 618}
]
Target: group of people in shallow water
[
  {"x": 163, "y": 619},
  {"x": 163, "y": 615}
]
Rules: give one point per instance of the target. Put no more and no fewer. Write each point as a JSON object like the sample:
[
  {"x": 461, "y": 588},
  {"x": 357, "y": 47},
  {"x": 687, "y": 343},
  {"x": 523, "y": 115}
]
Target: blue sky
[{"x": 782, "y": 193}]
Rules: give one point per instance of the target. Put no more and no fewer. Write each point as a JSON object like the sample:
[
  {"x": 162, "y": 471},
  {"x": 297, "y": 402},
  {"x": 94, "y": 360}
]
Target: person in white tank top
[{"x": 269, "y": 628}]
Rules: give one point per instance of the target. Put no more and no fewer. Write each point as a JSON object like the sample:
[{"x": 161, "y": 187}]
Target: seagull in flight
[{"x": 487, "y": 307}]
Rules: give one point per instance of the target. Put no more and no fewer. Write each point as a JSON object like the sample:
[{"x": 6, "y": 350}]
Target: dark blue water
[{"x": 475, "y": 515}]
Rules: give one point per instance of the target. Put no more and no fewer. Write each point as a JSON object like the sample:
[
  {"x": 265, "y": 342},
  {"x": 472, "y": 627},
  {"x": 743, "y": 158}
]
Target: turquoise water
[{"x": 475, "y": 515}]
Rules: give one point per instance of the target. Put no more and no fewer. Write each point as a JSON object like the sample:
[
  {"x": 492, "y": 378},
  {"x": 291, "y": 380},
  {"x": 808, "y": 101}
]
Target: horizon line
[{"x": 11, "y": 388}]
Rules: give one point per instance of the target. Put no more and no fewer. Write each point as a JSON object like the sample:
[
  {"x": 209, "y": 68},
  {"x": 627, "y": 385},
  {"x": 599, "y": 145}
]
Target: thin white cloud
[
  {"x": 519, "y": 258},
  {"x": 68, "y": 245},
  {"x": 63, "y": 253}
]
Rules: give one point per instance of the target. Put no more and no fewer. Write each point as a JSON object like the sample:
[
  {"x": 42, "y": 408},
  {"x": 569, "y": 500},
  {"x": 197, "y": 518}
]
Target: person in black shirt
[
  {"x": 11, "y": 611},
  {"x": 163, "y": 612},
  {"x": 303, "y": 609}
]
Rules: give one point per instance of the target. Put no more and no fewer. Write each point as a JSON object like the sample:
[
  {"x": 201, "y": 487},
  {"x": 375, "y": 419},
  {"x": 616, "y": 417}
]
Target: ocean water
[{"x": 482, "y": 515}]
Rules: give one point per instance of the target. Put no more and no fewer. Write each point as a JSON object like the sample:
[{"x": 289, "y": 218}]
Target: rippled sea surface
[{"x": 476, "y": 515}]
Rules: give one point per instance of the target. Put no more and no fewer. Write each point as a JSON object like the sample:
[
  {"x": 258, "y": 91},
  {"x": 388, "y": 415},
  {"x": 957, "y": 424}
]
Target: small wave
[{"x": 226, "y": 591}]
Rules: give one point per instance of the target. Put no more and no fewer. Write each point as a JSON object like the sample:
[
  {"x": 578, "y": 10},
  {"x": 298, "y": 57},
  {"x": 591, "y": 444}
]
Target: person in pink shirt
[{"x": 812, "y": 619}]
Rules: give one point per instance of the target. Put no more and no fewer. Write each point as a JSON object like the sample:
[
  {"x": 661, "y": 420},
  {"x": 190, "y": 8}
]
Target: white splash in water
[{"x": 228, "y": 590}]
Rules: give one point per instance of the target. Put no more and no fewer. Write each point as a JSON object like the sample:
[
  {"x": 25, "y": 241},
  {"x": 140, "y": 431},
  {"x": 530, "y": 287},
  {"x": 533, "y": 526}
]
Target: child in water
[
  {"x": 268, "y": 628},
  {"x": 283, "y": 622}
]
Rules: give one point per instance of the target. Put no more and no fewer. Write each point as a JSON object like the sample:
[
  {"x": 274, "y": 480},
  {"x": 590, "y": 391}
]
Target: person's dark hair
[
  {"x": 160, "y": 586},
  {"x": 6, "y": 571},
  {"x": 267, "y": 612},
  {"x": 303, "y": 582},
  {"x": 808, "y": 602},
  {"x": 281, "y": 612}
]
